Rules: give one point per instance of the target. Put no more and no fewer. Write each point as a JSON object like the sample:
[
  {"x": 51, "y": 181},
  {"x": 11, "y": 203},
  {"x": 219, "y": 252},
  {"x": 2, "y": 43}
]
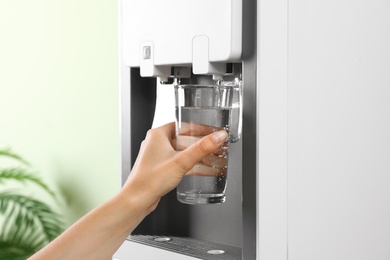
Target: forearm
[
  {"x": 98, "y": 234},
  {"x": 157, "y": 170}
]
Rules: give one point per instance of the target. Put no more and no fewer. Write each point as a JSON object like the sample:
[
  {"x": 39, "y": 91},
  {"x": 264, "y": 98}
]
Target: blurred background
[{"x": 59, "y": 95}]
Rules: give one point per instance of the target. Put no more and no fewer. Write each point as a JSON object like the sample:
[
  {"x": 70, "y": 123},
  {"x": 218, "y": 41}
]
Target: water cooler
[{"x": 310, "y": 176}]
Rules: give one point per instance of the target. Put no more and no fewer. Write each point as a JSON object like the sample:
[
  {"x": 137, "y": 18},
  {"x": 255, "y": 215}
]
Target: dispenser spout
[
  {"x": 162, "y": 80},
  {"x": 217, "y": 77}
]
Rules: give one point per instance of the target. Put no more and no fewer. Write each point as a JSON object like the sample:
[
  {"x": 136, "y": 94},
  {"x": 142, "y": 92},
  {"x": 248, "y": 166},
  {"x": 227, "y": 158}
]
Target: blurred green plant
[{"x": 26, "y": 224}]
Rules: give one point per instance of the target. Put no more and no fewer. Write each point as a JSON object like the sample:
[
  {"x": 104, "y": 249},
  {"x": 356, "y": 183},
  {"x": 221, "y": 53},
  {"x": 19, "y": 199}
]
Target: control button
[{"x": 146, "y": 53}]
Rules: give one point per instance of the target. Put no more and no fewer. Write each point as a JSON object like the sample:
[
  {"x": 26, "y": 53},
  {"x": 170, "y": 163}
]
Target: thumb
[{"x": 194, "y": 153}]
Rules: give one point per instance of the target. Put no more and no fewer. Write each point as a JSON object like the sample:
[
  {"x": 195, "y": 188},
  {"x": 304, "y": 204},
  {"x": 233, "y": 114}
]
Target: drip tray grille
[{"x": 189, "y": 246}]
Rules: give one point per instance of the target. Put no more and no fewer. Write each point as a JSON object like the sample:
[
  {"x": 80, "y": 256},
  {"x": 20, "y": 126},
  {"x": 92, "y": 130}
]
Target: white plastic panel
[
  {"x": 171, "y": 25},
  {"x": 272, "y": 129},
  {"x": 132, "y": 250},
  {"x": 339, "y": 130},
  {"x": 324, "y": 124}
]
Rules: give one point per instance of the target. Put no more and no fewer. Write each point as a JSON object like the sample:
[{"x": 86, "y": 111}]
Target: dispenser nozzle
[
  {"x": 217, "y": 77},
  {"x": 162, "y": 80}
]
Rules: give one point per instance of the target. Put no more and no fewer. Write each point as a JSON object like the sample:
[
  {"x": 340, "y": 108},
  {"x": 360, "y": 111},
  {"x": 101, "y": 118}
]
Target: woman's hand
[
  {"x": 214, "y": 164},
  {"x": 159, "y": 167},
  {"x": 158, "y": 170}
]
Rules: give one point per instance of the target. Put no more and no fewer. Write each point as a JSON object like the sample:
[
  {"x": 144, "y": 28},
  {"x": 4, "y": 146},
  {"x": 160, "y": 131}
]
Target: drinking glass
[{"x": 201, "y": 110}]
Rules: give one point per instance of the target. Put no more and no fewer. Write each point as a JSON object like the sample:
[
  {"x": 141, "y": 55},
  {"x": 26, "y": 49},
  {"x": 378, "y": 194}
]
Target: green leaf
[
  {"x": 27, "y": 224},
  {"x": 7, "y": 152},
  {"x": 22, "y": 175},
  {"x": 11, "y": 252},
  {"x": 30, "y": 224}
]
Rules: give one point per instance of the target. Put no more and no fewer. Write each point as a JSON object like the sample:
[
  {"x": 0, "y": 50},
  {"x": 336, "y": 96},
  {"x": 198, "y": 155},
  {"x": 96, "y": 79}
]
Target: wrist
[{"x": 138, "y": 201}]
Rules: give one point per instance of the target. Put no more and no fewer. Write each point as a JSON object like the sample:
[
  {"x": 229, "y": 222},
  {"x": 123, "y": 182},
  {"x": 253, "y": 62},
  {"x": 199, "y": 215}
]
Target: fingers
[
  {"x": 204, "y": 170},
  {"x": 215, "y": 161},
  {"x": 183, "y": 142},
  {"x": 168, "y": 130},
  {"x": 188, "y": 128},
  {"x": 203, "y": 147}
]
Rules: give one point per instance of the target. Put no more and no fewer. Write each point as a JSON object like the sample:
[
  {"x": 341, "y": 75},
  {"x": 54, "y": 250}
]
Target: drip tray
[{"x": 192, "y": 247}]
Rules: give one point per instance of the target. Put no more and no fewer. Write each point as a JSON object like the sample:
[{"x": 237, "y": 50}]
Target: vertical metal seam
[{"x": 287, "y": 81}]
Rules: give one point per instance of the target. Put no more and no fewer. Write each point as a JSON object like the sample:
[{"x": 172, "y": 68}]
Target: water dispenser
[
  {"x": 307, "y": 177},
  {"x": 204, "y": 50}
]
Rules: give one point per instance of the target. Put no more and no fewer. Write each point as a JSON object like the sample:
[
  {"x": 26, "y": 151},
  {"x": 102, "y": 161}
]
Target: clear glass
[{"x": 201, "y": 110}]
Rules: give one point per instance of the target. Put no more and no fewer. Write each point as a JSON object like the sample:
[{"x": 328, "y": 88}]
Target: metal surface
[
  {"x": 249, "y": 132},
  {"x": 192, "y": 247},
  {"x": 138, "y": 99},
  {"x": 171, "y": 217},
  {"x": 211, "y": 223}
]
